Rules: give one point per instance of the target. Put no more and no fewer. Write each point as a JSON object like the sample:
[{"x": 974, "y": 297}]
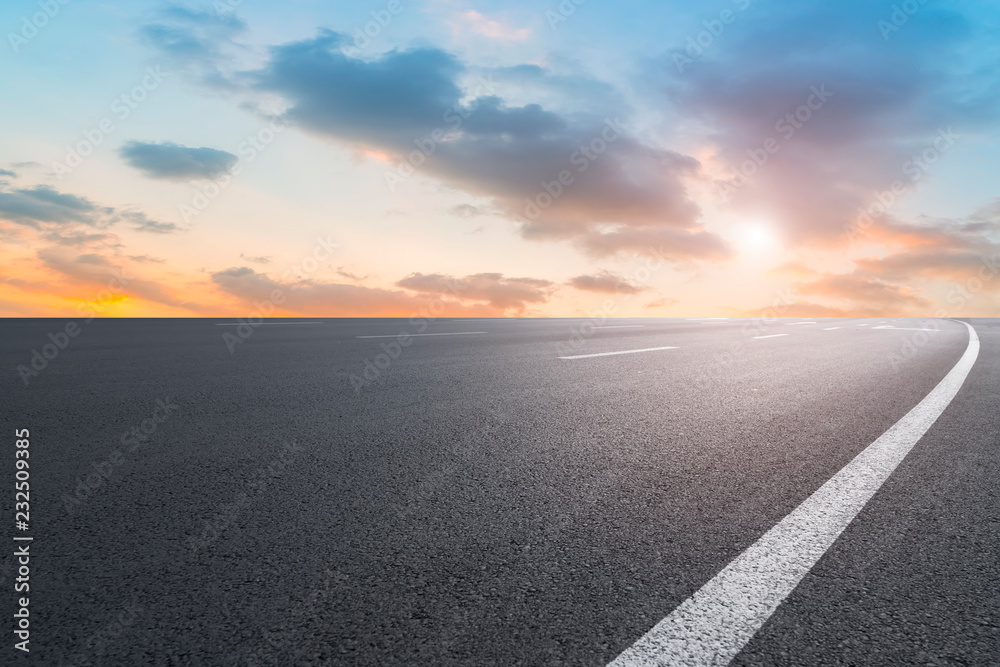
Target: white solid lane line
[
  {"x": 610, "y": 354},
  {"x": 714, "y": 624},
  {"x": 236, "y": 324},
  {"x": 454, "y": 333},
  {"x": 623, "y": 326},
  {"x": 769, "y": 336},
  {"x": 792, "y": 324},
  {"x": 830, "y": 328}
]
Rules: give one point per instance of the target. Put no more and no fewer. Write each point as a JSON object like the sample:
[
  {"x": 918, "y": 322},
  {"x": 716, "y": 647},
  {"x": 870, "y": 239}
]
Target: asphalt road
[{"x": 474, "y": 499}]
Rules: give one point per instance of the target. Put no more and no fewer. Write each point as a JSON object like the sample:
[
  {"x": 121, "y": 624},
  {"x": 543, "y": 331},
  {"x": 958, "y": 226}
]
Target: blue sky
[{"x": 677, "y": 158}]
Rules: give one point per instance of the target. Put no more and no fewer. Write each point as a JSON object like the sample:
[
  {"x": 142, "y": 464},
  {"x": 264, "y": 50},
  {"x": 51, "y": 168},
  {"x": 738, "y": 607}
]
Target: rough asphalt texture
[{"x": 482, "y": 502}]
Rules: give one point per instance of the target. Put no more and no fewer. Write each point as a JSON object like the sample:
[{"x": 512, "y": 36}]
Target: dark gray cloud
[
  {"x": 70, "y": 220},
  {"x": 605, "y": 282},
  {"x": 410, "y": 104},
  {"x": 41, "y": 205},
  {"x": 173, "y": 161},
  {"x": 143, "y": 223}
]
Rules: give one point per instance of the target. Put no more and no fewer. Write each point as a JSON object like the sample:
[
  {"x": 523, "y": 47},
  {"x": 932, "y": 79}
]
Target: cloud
[
  {"x": 475, "y": 295},
  {"x": 97, "y": 272},
  {"x": 604, "y": 282},
  {"x": 173, "y": 161},
  {"x": 660, "y": 303},
  {"x": 7, "y": 172},
  {"x": 467, "y": 211},
  {"x": 889, "y": 101},
  {"x": 41, "y": 205},
  {"x": 869, "y": 293},
  {"x": 256, "y": 259},
  {"x": 410, "y": 105},
  {"x": 350, "y": 276},
  {"x": 474, "y": 22},
  {"x": 67, "y": 219},
  {"x": 200, "y": 43},
  {"x": 493, "y": 288}
]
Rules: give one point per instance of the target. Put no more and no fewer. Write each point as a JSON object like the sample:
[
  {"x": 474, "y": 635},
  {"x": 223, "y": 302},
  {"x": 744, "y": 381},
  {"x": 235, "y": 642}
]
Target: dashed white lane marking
[
  {"x": 904, "y": 328},
  {"x": 449, "y": 333},
  {"x": 830, "y": 328},
  {"x": 609, "y": 354},
  {"x": 792, "y": 324},
  {"x": 769, "y": 336},
  {"x": 623, "y": 326},
  {"x": 863, "y": 325},
  {"x": 236, "y": 324},
  {"x": 713, "y": 625}
]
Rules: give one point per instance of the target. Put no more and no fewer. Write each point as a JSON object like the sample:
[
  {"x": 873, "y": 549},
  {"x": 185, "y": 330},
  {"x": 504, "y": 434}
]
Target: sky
[{"x": 398, "y": 158}]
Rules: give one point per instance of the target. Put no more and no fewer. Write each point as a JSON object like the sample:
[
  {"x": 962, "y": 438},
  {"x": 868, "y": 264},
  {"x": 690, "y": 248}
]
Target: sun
[{"x": 756, "y": 237}]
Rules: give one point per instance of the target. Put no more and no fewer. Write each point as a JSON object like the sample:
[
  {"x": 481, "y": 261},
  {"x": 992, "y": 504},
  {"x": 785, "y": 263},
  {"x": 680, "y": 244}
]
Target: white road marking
[
  {"x": 792, "y": 324},
  {"x": 770, "y": 336},
  {"x": 830, "y": 328},
  {"x": 623, "y": 326},
  {"x": 863, "y": 325},
  {"x": 609, "y": 354},
  {"x": 904, "y": 328},
  {"x": 713, "y": 625},
  {"x": 236, "y": 324},
  {"x": 450, "y": 333}
]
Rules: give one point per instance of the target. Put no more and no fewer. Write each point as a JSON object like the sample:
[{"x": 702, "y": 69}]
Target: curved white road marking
[{"x": 714, "y": 624}]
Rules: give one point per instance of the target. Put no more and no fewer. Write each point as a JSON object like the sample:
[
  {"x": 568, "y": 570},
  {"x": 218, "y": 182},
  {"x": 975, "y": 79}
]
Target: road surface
[{"x": 503, "y": 492}]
